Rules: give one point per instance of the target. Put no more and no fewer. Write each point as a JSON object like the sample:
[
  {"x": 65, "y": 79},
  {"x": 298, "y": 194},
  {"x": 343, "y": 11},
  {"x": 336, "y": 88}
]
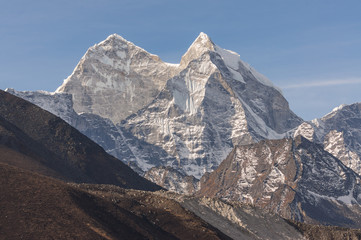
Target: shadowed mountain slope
[
  {"x": 35, "y": 139},
  {"x": 38, "y": 207}
]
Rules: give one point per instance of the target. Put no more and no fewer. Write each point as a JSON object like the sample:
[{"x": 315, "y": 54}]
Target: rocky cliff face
[
  {"x": 339, "y": 132},
  {"x": 294, "y": 178},
  {"x": 187, "y": 116}
]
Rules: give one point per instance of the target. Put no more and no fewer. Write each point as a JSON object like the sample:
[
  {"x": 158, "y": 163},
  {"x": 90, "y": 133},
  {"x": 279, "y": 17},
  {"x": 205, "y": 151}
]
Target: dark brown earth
[
  {"x": 159, "y": 210},
  {"x": 38, "y": 207},
  {"x": 34, "y": 139}
]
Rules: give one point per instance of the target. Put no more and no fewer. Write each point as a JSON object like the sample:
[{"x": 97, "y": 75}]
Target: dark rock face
[
  {"x": 59, "y": 150},
  {"x": 294, "y": 178}
]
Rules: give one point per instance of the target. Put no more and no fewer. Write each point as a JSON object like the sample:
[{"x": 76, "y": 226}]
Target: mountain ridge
[{"x": 197, "y": 111}]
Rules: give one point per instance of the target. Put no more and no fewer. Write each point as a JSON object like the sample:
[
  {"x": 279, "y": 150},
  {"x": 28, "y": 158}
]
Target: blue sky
[{"x": 311, "y": 49}]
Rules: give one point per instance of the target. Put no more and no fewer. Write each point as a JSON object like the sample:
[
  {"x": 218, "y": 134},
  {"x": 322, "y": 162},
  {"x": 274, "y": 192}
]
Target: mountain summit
[
  {"x": 202, "y": 44},
  {"x": 188, "y": 116},
  {"x": 116, "y": 73}
]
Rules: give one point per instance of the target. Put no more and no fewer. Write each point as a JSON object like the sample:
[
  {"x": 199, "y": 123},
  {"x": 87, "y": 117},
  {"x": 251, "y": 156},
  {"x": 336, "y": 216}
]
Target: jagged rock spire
[{"x": 202, "y": 44}]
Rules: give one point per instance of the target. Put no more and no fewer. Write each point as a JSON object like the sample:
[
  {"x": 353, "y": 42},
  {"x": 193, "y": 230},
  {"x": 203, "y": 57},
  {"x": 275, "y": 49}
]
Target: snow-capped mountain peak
[
  {"x": 216, "y": 101},
  {"x": 334, "y": 111},
  {"x": 202, "y": 44},
  {"x": 188, "y": 116},
  {"x": 114, "y": 37},
  {"x": 231, "y": 59},
  {"x": 114, "y": 73}
]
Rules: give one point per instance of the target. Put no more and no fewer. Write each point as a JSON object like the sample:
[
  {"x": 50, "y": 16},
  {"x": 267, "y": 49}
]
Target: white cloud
[{"x": 323, "y": 83}]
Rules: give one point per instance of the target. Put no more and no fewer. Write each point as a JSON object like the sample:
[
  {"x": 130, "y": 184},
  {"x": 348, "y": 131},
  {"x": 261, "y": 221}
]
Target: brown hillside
[
  {"x": 39, "y": 141},
  {"x": 38, "y": 207}
]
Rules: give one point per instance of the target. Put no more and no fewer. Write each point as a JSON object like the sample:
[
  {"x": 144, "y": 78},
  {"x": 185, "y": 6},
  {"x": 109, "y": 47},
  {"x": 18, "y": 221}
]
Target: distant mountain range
[{"x": 210, "y": 126}]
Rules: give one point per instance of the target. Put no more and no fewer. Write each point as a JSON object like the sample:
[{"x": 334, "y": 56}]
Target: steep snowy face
[
  {"x": 295, "y": 178},
  {"x": 115, "y": 78},
  {"x": 59, "y": 104},
  {"x": 217, "y": 101},
  {"x": 339, "y": 132},
  {"x": 263, "y": 102},
  {"x": 306, "y": 130},
  {"x": 180, "y": 120},
  {"x": 100, "y": 130}
]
